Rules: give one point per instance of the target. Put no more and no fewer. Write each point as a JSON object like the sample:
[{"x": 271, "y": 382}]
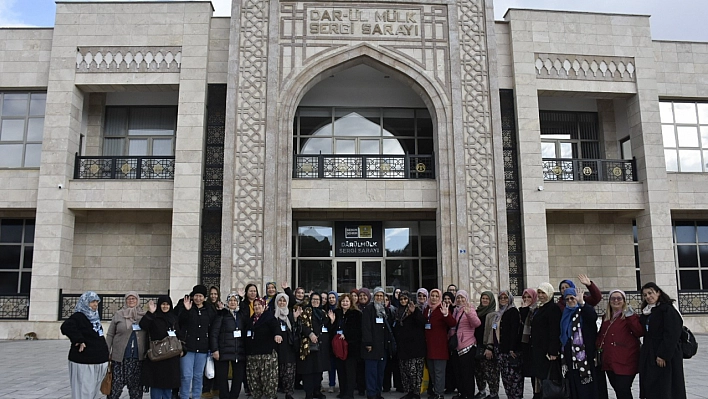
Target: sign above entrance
[
  {"x": 358, "y": 239},
  {"x": 363, "y": 22}
]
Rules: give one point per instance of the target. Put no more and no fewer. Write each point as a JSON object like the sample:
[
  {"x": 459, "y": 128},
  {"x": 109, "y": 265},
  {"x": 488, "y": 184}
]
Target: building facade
[{"x": 150, "y": 146}]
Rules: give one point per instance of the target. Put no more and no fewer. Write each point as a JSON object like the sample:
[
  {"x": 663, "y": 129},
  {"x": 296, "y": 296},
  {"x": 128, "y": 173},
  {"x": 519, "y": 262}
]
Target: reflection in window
[
  {"x": 16, "y": 252},
  {"x": 140, "y": 131},
  {"x": 21, "y": 129},
  {"x": 691, "y": 251},
  {"x": 315, "y": 240},
  {"x": 684, "y": 129}
]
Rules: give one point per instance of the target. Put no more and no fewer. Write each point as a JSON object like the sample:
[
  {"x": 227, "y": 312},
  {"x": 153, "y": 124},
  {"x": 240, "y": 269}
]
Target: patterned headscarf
[
  {"x": 427, "y": 295},
  {"x": 502, "y": 309},
  {"x": 82, "y": 306},
  {"x": 282, "y": 313}
]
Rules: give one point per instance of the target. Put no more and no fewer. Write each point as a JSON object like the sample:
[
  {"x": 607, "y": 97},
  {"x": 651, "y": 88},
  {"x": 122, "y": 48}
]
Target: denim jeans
[
  {"x": 192, "y": 369},
  {"x": 160, "y": 393},
  {"x": 374, "y": 376}
]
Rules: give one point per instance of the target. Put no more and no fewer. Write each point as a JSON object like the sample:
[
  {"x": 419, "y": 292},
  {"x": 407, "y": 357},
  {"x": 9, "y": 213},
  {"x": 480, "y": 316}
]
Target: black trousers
[
  {"x": 311, "y": 383},
  {"x": 238, "y": 374},
  {"x": 465, "y": 371},
  {"x": 622, "y": 384},
  {"x": 346, "y": 371},
  {"x": 392, "y": 369}
]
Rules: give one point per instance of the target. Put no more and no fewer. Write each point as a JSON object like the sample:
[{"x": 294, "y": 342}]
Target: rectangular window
[
  {"x": 569, "y": 135},
  {"x": 16, "y": 252},
  {"x": 684, "y": 129},
  {"x": 691, "y": 253},
  {"x": 21, "y": 128},
  {"x": 140, "y": 131}
]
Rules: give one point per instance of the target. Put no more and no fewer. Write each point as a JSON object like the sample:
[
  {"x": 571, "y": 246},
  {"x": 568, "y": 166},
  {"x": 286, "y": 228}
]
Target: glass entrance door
[{"x": 355, "y": 273}]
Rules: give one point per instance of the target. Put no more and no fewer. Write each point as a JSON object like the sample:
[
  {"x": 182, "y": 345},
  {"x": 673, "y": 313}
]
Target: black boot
[
  {"x": 318, "y": 394},
  {"x": 407, "y": 396}
]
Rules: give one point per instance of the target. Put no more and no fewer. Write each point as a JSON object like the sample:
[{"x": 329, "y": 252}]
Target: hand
[
  {"x": 187, "y": 302},
  {"x": 313, "y": 338},
  {"x": 444, "y": 308},
  {"x": 512, "y": 354},
  {"x": 215, "y": 355},
  {"x": 551, "y": 357},
  {"x": 488, "y": 354},
  {"x": 341, "y": 336},
  {"x": 242, "y": 293},
  {"x": 660, "y": 362},
  {"x": 278, "y": 339},
  {"x": 331, "y": 316},
  {"x": 368, "y": 349},
  {"x": 297, "y": 312},
  {"x": 580, "y": 294},
  {"x": 584, "y": 279},
  {"x": 81, "y": 346},
  {"x": 629, "y": 311},
  {"x": 219, "y": 306},
  {"x": 467, "y": 309},
  {"x": 411, "y": 307},
  {"x": 284, "y": 285},
  {"x": 151, "y": 306}
]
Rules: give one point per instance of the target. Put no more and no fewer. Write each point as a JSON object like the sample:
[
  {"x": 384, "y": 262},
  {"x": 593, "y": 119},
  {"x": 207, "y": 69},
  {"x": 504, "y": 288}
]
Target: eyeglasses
[
  {"x": 616, "y": 299},
  {"x": 421, "y": 295}
]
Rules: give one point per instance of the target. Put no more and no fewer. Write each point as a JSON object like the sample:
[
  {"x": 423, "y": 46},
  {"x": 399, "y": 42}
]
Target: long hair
[
  {"x": 663, "y": 297},
  {"x": 609, "y": 313},
  {"x": 351, "y": 301},
  {"x": 245, "y": 294}
]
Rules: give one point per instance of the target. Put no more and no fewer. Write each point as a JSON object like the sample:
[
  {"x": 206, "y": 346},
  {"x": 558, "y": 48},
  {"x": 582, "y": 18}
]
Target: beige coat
[{"x": 118, "y": 335}]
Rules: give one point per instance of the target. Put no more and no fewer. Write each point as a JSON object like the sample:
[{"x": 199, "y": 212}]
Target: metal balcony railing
[
  {"x": 110, "y": 303},
  {"x": 564, "y": 169},
  {"x": 363, "y": 166},
  {"x": 124, "y": 167},
  {"x": 14, "y": 307}
]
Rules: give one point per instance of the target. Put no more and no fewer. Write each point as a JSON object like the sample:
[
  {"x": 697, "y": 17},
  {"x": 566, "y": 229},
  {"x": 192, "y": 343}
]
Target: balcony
[
  {"x": 363, "y": 166},
  {"x": 610, "y": 170},
  {"x": 124, "y": 167}
]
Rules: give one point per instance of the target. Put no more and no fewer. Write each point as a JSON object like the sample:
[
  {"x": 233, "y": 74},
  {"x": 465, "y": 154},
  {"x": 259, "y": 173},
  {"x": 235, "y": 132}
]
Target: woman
[
  {"x": 421, "y": 298},
  {"x": 162, "y": 376},
  {"x": 289, "y": 345},
  {"x": 438, "y": 320},
  {"x": 578, "y": 333},
  {"x": 593, "y": 296},
  {"x": 396, "y": 299},
  {"x": 391, "y": 369},
  {"x": 88, "y": 355},
  {"x": 227, "y": 341},
  {"x": 331, "y": 305},
  {"x": 195, "y": 320},
  {"x": 208, "y": 384},
  {"x": 311, "y": 363},
  {"x": 364, "y": 298},
  {"x": 528, "y": 306},
  {"x": 545, "y": 330},
  {"x": 250, "y": 294},
  {"x": 452, "y": 363},
  {"x": 126, "y": 345},
  {"x": 375, "y": 342},
  {"x": 354, "y": 296},
  {"x": 618, "y": 343},
  {"x": 487, "y": 371},
  {"x": 347, "y": 324},
  {"x": 262, "y": 335},
  {"x": 270, "y": 292},
  {"x": 409, "y": 330},
  {"x": 660, "y": 358},
  {"x": 466, "y": 322},
  {"x": 505, "y": 330}
]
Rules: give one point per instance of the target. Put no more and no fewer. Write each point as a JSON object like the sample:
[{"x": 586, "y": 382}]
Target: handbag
[
  {"x": 209, "y": 368},
  {"x": 452, "y": 341},
  {"x": 555, "y": 389},
  {"x": 479, "y": 352},
  {"x": 340, "y": 347},
  {"x": 165, "y": 348},
  {"x": 314, "y": 346},
  {"x": 107, "y": 382}
]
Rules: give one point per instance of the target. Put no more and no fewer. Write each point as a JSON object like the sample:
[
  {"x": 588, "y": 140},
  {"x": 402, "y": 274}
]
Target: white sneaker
[{"x": 331, "y": 390}]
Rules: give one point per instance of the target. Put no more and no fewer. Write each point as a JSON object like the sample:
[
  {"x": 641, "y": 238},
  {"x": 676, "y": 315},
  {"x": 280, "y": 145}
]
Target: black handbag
[
  {"x": 555, "y": 388},
  {"x": 314, "y": 347},
  {"x": 479, "y": 352}
]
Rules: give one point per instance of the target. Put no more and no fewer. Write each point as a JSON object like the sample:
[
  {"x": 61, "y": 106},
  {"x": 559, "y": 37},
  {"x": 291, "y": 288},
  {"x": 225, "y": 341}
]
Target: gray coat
[{"x": 118, "y": 335}]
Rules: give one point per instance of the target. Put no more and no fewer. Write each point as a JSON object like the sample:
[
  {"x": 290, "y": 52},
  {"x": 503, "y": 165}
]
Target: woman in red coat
[
  {"x": 438, "y": 319},
  {"x": 618, "y": 344}
]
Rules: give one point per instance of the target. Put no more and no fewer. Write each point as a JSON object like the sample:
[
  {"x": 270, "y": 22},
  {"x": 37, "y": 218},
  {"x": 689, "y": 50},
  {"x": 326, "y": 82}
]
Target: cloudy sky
[{"x": 671, "y": 20}]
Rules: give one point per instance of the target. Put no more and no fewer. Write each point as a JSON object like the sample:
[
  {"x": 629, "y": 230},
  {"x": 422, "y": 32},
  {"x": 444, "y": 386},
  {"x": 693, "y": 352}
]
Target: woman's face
[
  {"x": 332, "y": 299},
  {"x": 198, "y": 299},
  {"x": 447, "y": 300},
  {"x": 252, "y": 293},
  {"x": 503, "y": 300},
  {"x": 434, "y": 298},
  {"x": 282, "y": 302},
  {"x": 214, "y": 295},
  {"x": 323, "y": 297},
  {"x": 616, "y": 302},
  {"x": 461, "y": 301},
  {"x": 363, "y": 299},
  {"x": 564, "y": 286},
  {"x": 93, "y": 305},
  {"x": 650, "y": 295},
  {"x": 131, "y": 301},
  {"x": 387, "y": 301},
  {"x": 422, "y": 298},
  {"x": 346, "y": 304},
  {"x": 270, "y": 290},
  {"x": 299, "y": 294},
  {"x": 315, "y": 301},
  {"x": 165, "y": 307},
  {"x": 379, "y": 297},
  {"x": 397, "y": 293},
  {"x": 571, "y": 301},
  {"x": 403, "y": 300},
  {"x": 526, "y": 298},
  {"x": 542, "y": 297},
  {"x": 258, "y": 308},
  {"x": 484, "y": 300},
  {"x": 233, "y": 303},
  {"x": 355, "y": 297}
]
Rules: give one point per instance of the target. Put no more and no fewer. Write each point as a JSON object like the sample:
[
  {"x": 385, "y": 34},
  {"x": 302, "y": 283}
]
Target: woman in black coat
[
  {"x": 660, "y": 358},
  {"x": 228, "y": 333},
  {"x": 375, "y": 342},
  {"x": 314, "y": 331},
  {"x": 545, "y": 335},
  {"x": 159, "y": 322},
  {"x": 289, "y": 347},
  {"x": 579, "y": 316},
  {"x": 409, "y": 330},
  {"x": 347, "y": 325},
  {"x": 262, "y": 336}
]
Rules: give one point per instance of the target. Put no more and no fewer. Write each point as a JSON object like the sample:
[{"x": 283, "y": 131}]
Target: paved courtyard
[{"x": 38, "y": 369}]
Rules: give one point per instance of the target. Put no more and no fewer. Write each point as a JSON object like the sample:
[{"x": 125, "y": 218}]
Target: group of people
[{"x": 270, "y": 343}]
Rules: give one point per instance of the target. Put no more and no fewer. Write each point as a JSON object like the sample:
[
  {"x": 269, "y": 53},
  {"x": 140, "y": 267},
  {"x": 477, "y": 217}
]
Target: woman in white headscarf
[
  {"x": 126, "y": 345},
  {"x": 545, "y": 335},
  {"x": 88, "y": 356}
]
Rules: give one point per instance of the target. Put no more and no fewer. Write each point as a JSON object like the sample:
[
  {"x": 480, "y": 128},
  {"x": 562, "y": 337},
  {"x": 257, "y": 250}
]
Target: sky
[{"x": 671, "y": 20}]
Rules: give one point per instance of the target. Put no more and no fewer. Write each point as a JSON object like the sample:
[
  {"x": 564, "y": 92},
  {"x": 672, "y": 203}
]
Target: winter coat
[
  {"x": 510, "y": 329},
  {"x": 80, "y": 331},
  {"x": 466, "y": 328},
  {"x": 350, "y": 325},
  {"x": 223, "y": 335},
  {"x": 525, "y": 347},
  {"x": 289, "y": 349},
  {"x": 260, "y": 336},
  {"x": 164, "y": 374},
  {"x": 436, "y": 336},
  {"x": 315, "y": 362},
  {"x": 374, "y": 333},
  {"x": 195, "y": 324},
  {"x": 588, "y": 318},
  {"x": 545, "y": 338},
  {"x": 410, "y": 336},
  {"x": 661, "y": 339},
  {"x": 118, "y": 335},
  {"x": 619, "y": 341}
]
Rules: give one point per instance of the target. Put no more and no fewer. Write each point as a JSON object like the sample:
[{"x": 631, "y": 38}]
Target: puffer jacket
[{"x": 223, "y": 339}]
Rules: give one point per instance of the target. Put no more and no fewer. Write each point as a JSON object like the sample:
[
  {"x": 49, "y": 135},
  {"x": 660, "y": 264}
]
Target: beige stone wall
[
  {"x": 218, "y": 50},
  {"x": 24, "y": 57},
  {"x": 504, "y": 60},
  {"x": 681, "y": 69},
  {"x": 120, "y": 251},
  {"x": 597, "y": 244}
]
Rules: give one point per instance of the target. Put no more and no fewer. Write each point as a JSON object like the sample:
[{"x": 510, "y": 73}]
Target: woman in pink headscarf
[{"x": 438, "y": 319}]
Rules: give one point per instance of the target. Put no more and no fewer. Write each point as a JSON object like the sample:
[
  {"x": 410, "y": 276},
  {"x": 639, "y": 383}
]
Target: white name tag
[
  {"x": 100, "y": 332},
  {"x": 324, "y": 329},
  {"x": 250, "y": 333},
  {"x": 428, "y": 326},
  {"x": 283, "y": 328},
  {"x": 136, "y": 327},
  {"x": 379, "y": 320},
  {"x": 340, "y": 332},
  {"x": 171, "y": 333},
  {"x": 237, "y": 334}
]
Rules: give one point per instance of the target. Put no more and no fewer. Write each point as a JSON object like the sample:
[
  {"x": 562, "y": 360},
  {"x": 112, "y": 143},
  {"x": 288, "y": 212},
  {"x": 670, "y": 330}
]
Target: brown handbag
[
  {"x": 107, "y": 381},
  {"x": 165, "y": 348}
]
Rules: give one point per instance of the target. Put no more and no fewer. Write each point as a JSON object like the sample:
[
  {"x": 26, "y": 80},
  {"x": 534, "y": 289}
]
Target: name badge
[
  {"x": 249, "y": 333},
  {"x": 379, "y": 320},
  {"x": 100, "y": 332},
  {"x": 324, "y": 329},
  {"x": 171, "y": 333},
  {"x": 237, "y": 334},
  {"x": 283, "y": 328},
  {"x": 340, "y": 332},
  {"x": 136, "y": 327},
  {"x": 428, "y": 326},
  {"x": 494, "y": 326}
]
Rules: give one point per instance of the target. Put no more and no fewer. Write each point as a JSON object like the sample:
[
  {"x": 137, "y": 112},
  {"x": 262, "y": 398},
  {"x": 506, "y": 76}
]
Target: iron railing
[
  {"x": 110, "y": 303},
  {"x": 565, "y": 169},
  {"x": 14, "y": 307},
  {"x": 689, "y": 302},
  {"x": 124, "y": 167},
  {"x": 363, "y": 166}
]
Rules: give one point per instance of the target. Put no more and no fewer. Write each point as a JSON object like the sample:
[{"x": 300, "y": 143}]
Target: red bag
[{"x": 340, "y": 347}]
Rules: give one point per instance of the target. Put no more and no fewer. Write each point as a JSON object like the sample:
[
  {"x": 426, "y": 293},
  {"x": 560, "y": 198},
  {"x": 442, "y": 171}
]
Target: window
[
  {"x": 16, "y": 250},
  {"x": 691, "y": 253},
  {"x": 569, "y": 135},
  {"x": 21, "y": 129},
  {"x": 140, "y": 131},
  {"x": 637, "y": 269},
  {"x": 684, "y": 128}
]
